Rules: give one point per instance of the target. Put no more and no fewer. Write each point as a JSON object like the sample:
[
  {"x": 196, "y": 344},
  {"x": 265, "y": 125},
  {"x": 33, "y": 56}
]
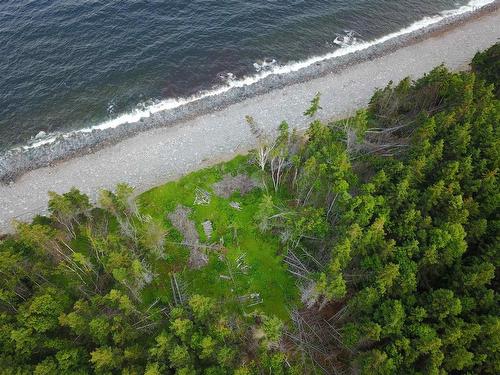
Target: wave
[
  {"x": 264, "y": 69},
  {"x": 266, "y": 65},
  {"x": 350, "y": 38}
]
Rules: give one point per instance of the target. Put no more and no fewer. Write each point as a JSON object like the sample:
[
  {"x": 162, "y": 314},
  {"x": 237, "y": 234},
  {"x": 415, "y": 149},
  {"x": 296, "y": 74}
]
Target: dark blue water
[{"x": 67, "y": 64}]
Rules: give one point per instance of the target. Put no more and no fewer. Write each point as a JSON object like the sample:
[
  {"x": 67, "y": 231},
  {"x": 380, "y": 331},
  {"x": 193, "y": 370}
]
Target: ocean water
[{"x": 72, "y": 64}]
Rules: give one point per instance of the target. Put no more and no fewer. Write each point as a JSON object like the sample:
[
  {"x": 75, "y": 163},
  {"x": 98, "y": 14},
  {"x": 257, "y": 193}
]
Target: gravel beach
[{"x": 217, "y": 133}]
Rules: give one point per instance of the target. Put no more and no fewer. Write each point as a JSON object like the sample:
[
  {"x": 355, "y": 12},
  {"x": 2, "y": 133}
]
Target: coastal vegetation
[{"x": 367, "y": 245}]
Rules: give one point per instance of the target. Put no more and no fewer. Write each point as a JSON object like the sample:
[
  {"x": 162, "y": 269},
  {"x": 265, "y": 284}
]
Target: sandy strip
[{"x": 162, "y": 154}]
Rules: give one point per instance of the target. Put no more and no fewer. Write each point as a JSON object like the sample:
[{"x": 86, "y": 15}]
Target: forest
[{"x": 368, "y": 245}]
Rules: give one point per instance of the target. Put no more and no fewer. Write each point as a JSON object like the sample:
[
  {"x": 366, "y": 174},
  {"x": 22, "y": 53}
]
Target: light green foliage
[
  {"x": 265, "y": 212},
  {"x": 179, "y": 356},
  {"x": 105, "y": 359},
  {"x": 182, "y": 328},
  {"x": 203, "y": 307},
  {"x": 46, "y": 367},
  {"x": 120, "y": 202},
  {"x": 273, "y": 329},
  {"x": 206, "y": 341},
  {"x": 315, "y": 107},
  {"x": 152, "y": 369},
  {"x": 265, "y": 275},
  {"x": 99, "y": 329},
  {"x": 41, "y": 314},
  {"x": 67, "y": 208}
]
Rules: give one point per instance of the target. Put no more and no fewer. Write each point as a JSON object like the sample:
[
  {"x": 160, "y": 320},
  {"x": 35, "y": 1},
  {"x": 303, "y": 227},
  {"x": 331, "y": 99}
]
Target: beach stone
[
  {"x": 235, "y": 205},
  {"x": 41, "y": 134}
]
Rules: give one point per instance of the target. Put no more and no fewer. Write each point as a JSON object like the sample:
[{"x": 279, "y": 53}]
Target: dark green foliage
[
  {"x": 487, "y": 66},
  {"x": 423, "y": 234},
  {"x": 438, "y": 212},
  {"x": 410, "y": 213}
]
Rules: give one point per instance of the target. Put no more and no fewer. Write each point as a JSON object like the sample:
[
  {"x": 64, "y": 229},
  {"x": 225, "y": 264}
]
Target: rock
[
  {"x": 40, "y": 135},
  {"x": 235, "y": 205}
]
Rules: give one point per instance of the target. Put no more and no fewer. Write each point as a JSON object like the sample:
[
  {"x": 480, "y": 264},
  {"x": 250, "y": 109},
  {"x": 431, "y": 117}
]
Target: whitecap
[
  {"x": 265, "y": 65},
  {"x": 349, "y": 38}
]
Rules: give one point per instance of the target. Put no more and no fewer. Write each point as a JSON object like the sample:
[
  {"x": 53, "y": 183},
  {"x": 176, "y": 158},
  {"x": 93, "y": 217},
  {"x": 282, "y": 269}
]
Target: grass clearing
[{"x": 250, "y": 274}]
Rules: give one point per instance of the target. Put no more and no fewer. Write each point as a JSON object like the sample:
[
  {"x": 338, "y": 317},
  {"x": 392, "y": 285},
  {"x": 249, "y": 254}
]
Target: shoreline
[
  {"x": 160, "y": 154},
  {"x": 16, "y": 162}
]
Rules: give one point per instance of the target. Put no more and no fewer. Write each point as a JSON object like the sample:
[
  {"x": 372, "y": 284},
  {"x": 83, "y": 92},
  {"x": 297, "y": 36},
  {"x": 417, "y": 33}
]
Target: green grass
[{"x": 266, "y": 274}]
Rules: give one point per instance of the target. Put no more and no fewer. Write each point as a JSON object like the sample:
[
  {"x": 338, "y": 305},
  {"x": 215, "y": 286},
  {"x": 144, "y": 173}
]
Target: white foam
[
  {"x": 227, "y": 77},
  {"x": 266, "y": 65},
  {"x": 270, "y": 68},
  {"x": 348, "y": 39}
]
